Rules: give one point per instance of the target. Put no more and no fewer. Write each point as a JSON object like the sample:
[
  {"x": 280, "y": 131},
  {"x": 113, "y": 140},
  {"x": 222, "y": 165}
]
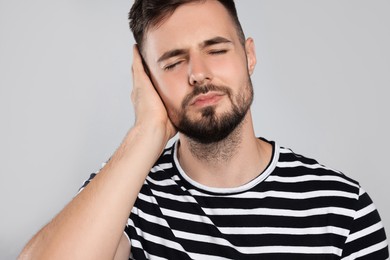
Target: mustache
[{"x": 204, "y": 90}]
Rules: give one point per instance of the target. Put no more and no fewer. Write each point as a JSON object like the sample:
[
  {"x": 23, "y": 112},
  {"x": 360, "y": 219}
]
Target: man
[{"x": 220, "y": 192}]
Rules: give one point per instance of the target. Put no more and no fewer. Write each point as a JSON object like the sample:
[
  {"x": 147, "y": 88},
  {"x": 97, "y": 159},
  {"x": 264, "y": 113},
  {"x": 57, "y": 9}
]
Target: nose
[{"x": 199, "y": 73}]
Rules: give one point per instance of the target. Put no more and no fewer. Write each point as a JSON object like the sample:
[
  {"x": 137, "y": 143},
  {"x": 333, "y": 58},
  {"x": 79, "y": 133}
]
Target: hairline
[{"x": 159, "y": 21}]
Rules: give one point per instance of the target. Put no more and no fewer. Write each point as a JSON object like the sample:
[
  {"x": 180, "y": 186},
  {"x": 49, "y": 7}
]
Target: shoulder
[
  {"x": 164, "y": 168},
  {"x": 295, "y": 168}
]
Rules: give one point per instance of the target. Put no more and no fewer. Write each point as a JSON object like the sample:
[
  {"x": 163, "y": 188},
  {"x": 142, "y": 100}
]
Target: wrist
[{"x": 146, "y": 140}]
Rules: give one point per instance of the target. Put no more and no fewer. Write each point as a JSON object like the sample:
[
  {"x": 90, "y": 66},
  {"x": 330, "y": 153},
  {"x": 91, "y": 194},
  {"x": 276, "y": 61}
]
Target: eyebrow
[
  {"x": 171, "y": 53},
  {"x": 204, "y": 44},
  {"x": 213, "y": 41}
]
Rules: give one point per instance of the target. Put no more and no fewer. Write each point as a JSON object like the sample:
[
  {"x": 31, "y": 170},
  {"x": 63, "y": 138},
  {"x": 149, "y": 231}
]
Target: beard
[{"x": 213, "y": 127}]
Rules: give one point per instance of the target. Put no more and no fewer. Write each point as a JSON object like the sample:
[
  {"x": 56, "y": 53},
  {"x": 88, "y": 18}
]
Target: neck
[{"x": 232, "y": 162}]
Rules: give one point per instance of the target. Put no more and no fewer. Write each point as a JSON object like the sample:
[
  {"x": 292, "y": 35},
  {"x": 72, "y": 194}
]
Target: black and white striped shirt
[{"x": 296, "y": 209}]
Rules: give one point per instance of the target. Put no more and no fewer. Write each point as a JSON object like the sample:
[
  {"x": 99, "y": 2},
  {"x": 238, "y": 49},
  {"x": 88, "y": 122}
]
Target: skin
[
  {"x": 194, "y": 61},
  {"x": 91, "y": 225}
]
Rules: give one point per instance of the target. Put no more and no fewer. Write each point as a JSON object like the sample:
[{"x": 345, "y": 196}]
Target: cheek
[
  {"x": 233, "y": 69},
  {"x": 171, "y": 92}
]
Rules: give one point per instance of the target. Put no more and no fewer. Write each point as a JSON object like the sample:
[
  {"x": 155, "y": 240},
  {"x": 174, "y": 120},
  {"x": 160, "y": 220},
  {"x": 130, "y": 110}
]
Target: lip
[{"x": 207, "y": 99}]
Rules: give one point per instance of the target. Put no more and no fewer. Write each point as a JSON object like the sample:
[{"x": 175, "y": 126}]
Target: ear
[{"x": 250, "y": 55}]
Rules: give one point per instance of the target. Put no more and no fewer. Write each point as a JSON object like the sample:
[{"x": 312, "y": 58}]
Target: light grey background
[{"x": 321, "y": 86}]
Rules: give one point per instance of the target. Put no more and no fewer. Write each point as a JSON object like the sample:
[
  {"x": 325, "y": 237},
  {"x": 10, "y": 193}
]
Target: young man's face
[{"x": 201, "y": 70}]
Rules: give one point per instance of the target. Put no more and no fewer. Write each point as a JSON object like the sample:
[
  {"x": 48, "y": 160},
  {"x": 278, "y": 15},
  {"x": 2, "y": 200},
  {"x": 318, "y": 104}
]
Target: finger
[
  {"x": 141, "y": 81},
  {"x": 136, "y": 72},
  {"x": 136, "y": 58},
  {"x": 138, "y": 66}
]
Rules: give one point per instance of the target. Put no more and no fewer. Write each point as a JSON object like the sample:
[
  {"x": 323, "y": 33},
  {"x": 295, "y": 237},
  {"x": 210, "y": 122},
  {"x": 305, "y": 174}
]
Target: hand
[{"x": 149, "y": 109}]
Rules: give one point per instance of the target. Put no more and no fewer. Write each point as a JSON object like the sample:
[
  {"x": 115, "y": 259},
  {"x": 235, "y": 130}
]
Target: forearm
[{"x": 91, "y": 225}]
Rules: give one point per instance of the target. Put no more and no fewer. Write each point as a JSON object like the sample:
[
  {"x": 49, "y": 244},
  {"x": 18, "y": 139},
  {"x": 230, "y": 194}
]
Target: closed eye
[
  {"x": 171, "y": 66},
  {"x": 216, "y": 52}
]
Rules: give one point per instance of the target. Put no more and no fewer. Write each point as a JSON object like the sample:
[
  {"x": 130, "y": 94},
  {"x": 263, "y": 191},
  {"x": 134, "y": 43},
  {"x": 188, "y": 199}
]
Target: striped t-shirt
[{"x": 295, "y": 209}]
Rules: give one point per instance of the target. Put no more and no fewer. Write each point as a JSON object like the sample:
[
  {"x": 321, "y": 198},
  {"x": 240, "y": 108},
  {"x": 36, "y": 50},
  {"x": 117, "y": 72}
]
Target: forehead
[{"x": 188, "y": 26}]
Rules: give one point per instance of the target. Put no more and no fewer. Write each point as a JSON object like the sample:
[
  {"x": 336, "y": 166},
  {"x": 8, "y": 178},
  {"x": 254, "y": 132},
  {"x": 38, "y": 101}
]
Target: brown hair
[{"x": 148, "y": 13}]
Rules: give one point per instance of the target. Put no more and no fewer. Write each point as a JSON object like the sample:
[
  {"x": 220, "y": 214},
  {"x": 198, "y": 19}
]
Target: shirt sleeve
[
  {"x": 91, "y": 178},
  {"x": 367, "y": 238}
]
